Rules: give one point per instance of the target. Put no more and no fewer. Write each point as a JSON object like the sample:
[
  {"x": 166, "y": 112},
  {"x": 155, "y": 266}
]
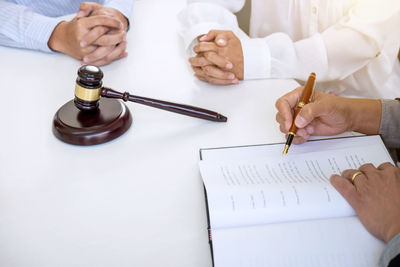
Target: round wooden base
[{"x": 76, "y": 127}]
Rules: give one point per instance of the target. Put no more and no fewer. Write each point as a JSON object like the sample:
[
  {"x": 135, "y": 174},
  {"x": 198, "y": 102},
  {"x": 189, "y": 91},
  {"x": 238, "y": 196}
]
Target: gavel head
[{"x": 88, "y": 88}]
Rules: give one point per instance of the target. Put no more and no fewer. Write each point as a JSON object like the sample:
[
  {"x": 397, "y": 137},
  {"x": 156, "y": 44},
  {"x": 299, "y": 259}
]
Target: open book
[{"x": 268, "y": 210}]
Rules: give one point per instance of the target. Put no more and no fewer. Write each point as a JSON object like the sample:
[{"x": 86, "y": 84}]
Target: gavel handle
[{"x": 169, "y": 106}]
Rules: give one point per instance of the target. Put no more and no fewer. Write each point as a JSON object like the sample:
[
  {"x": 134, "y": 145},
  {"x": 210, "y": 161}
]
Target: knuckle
[
  {"x": 203, "y": 46},
  {"x": 208, "y": 55},
  {"x": 278, "y": 103},
  {"x": 366, "y": 167},
  {"x": 278, "y": 117},
  {"x": 306, "y": 112},
  {"x": 386, "y": 165},
  {"x": 346, "y": 173},
  {"x": 207, "y": 69}
]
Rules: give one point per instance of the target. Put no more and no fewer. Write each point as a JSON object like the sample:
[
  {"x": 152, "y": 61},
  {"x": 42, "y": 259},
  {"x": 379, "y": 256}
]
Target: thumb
[
  {"x": 308, "y": 113},
  {"x": 86, "y": 8},
  {"x": 219, "y": 37}
]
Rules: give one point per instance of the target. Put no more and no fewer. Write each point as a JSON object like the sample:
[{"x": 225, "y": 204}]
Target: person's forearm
[{"x": 364, "y": 114}]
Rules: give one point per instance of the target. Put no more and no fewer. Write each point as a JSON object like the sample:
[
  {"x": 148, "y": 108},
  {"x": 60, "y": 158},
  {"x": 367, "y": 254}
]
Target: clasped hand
[
  {"x": 219, "y": 58},
  {"x": 96, "y": 36}
]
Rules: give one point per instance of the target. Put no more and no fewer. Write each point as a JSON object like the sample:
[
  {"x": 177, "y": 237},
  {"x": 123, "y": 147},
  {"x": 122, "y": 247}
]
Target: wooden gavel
[{"x": 89, "y": 89}]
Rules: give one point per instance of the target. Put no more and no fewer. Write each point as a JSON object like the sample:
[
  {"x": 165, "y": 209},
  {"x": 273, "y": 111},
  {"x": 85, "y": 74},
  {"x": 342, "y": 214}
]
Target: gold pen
[{"x": 306, "y": 96}]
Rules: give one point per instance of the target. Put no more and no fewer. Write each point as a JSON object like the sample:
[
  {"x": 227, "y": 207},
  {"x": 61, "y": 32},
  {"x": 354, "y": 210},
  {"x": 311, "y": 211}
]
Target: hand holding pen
[
  {"x": 304, "y": 99},
  {"x": 327, "y": 115}
]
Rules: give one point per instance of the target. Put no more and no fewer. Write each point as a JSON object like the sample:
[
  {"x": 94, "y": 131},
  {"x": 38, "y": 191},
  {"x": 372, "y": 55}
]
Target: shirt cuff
[
  {"x": 39, "y": 31},
  {"x": 390, "y": 123},
  {"x": 390, "y": 252},
  {"x": 257, "y": 59}
]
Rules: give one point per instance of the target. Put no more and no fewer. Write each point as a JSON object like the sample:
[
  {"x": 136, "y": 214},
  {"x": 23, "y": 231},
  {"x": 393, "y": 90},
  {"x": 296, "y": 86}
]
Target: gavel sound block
[{"x": 96, "y": 115}]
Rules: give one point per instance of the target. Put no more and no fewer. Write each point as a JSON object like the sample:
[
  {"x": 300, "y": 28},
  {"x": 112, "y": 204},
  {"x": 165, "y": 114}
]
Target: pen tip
[
  {"x": 285, "y": 150},
  {"x": 222, "y": 118}
]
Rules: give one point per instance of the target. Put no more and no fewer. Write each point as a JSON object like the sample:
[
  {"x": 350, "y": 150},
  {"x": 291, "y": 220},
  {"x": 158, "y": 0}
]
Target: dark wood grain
[{"x": 169, "y": 106}]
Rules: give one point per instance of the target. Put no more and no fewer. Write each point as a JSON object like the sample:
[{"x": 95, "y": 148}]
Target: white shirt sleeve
[
  {"x": 23, "y": 28},
  {"x": 201, "y": 16},
  {"x": 334, "y": 54}
]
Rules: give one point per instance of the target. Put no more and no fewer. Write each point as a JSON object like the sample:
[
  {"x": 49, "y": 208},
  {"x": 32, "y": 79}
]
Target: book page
[
  {"x": 280, "y": 189},
  {"x": 328, "y": 243}
]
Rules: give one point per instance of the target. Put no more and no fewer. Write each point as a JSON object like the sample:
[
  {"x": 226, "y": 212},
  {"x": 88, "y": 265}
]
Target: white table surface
[{"x": 137, "y": 200}]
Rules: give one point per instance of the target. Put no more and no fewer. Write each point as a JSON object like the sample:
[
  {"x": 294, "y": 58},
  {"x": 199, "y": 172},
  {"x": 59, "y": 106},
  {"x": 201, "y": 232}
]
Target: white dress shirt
[
  {"x": 29, "y": 24},
  {"x": 351, "y": 45}
]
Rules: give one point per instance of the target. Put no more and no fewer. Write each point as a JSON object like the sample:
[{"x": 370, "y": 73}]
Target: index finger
[
  {"x": 220, "y": 37},
  {"x": 218, "y": 60},
  {"x": 347, "y": 190},
  {"x": 205, "y": 47},
  {"x": 93, "y": 35},
  {"x": 286, "y": 105},
  {"x": 102, "y": 20}
]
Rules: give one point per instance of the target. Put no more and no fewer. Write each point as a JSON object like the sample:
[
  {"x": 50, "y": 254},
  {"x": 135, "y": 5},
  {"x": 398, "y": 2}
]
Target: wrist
[
  {"x": 57, "y": 39},
  {"x": 364, "y": 114}
]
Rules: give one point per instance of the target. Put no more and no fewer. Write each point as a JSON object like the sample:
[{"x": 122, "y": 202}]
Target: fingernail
[
  {"x": 85, "y": 59},
  {"x": 221, "y": 41},
  {"x": 121, "y": 25},
  {"x": 229, "y": 66},
  {"x": 235, "y": 81},
  {"x": 83, "y": 43},
  {"x": 231, "y": 76},
  {"x": 203, "y": 38},
  {"x": 80, "y": 14},
  {"x": 300, "y": 121}
]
